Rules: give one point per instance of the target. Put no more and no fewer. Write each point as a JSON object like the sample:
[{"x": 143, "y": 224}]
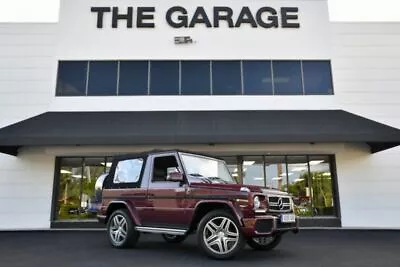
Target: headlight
[{"x": 257, "y": 203}]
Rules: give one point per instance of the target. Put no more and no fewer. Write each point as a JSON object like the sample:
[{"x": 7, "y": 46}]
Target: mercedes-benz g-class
[{"x": 177, "y": 193}]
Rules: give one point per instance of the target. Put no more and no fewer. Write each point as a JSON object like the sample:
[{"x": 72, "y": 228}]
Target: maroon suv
[{"x": 178, "y": 193}]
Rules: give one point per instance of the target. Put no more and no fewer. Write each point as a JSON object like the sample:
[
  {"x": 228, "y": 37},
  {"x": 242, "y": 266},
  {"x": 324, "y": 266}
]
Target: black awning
[{"x": 196, "y": 127}]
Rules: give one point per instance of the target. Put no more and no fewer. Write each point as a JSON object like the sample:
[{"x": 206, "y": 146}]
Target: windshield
[{"x": 206, "y": 169}]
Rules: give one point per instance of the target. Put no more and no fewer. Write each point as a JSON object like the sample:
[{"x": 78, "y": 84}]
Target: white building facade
[{"x": 277, "y": 59}]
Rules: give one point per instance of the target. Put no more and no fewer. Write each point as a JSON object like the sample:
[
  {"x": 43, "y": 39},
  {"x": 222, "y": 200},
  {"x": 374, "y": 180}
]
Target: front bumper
[{"x": 267, "y": 225}]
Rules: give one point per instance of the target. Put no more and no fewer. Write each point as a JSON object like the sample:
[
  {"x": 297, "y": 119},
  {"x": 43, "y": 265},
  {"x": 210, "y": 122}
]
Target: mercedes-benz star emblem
[{"x": 280, "y": 203}]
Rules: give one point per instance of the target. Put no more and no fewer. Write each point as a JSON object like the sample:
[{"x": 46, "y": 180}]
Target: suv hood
[{"x": 231, "y": 187}]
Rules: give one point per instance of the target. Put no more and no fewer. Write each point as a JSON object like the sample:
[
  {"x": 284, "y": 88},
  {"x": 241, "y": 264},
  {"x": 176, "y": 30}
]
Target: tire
[
  {"x": 121, "y": 221},
  {"x": 219, "y": 235},
  {"x": 268, "y": 243},
  {"x": 174, "y": 239}
]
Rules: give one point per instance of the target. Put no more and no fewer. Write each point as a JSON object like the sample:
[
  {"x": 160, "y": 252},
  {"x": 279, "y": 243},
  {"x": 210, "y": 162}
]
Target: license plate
[{"x": 288, "y": 218}]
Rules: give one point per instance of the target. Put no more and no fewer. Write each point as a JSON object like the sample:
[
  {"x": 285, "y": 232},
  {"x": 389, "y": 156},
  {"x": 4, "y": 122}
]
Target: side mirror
[{"x": 174, "y": 175}]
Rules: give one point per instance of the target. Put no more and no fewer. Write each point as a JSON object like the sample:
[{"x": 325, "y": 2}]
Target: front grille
[
  {"x": 279, "y": 204},
  {"x": 264, "y": 226}
]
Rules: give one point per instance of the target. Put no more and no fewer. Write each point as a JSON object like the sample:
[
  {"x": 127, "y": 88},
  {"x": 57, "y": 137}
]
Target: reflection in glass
[
  {"x": 317, "y": 78},
  {"x": 257, "y": 77},
  {"x": 94, "y": 167},
  {"x": 164, "y": 78},
  {"x": 103, "y": 78},
  {"x": 133, "y": 78},
  {"x": 275, "y": 170},
  {"x": 72, "y": 78},
  {"x": 322, "y": 186},
  {"x": 69, "y": 200},
  {"x": 195, "y": 78},
  {"x": 226, "y": 78},
  {"x": 253, "y": 171},
  {"x": 287, "y": 78},
  {"x": 299, "y": 184}
]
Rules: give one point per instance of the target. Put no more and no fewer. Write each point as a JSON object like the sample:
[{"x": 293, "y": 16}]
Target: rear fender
[{"x": 114, "y": 205}]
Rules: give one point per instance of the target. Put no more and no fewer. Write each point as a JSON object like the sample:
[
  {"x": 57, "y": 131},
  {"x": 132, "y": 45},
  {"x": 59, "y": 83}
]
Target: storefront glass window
[
  {"x": 72, "y": 78},
  {"x": 195, "y": 78},
  {"x": 257, "y": 77},
  {"x": 76, "y": 194},
  {"x": 317, "y": 78},
  {"x": 93, "y": 168},
  {"x": 322, "y": 185},
  {"x": 164, "y": 78},
  {"x": 287, "y": 78},
  {"x": 253, "y": 171},
  {"x": 299, "y": 184},
  {"x": 133, "y": 78},
  {"x": 226, "y": 78},
  {"x": 69, "y": 200},
  {"x": 102, "y": 78},
  {"x": 309, "y": 179},
  {"x": 275, "y": 171}
]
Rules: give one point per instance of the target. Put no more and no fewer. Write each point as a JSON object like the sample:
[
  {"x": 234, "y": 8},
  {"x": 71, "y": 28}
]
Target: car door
[{"x": 166, "y": 199}]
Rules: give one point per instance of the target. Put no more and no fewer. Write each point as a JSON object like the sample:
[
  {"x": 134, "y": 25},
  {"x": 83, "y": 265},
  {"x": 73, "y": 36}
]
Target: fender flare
[
  {"x": 235, "y": 211},
  {"x": 132, "y": 211}
]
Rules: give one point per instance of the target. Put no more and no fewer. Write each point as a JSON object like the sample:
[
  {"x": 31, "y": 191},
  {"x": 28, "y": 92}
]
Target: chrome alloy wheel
[
  {"x": 263, "y": 241},
  {"x": 221, "y": 235},
  {"x": 118, "y": 229}
]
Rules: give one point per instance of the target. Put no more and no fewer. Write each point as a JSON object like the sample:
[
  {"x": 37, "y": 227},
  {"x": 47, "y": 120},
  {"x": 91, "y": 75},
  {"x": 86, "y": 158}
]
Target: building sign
[{"x": 178, "y": 17}]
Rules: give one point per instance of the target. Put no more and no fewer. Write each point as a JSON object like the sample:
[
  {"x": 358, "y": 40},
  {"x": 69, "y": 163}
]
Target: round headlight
[{"x": 257, "y": 203}]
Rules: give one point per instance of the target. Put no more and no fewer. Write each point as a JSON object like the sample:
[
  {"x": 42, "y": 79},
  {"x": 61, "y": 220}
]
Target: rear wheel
[
  {"x": 121, "y": 230},
  {"x": 174, "y": 238},
  {"x": 264, "y": 243},
  {"x": 219, "y": 235}
]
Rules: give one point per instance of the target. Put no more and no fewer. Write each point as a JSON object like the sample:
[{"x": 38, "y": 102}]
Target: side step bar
[{"x": 160, "y": 230}]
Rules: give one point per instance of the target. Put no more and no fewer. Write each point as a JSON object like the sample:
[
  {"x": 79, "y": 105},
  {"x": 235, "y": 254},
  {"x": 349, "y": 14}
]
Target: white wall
[
  {"x": 27, "y": 72},
  {"x": 366, "y": 69},
  {"x": 80, "y": 38},
  {"x": 26, "y": 184}
]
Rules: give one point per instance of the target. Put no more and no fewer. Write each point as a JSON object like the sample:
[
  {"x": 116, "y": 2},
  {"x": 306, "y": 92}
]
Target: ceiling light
[
  {"x": 316, "y": 162},
  {"x": 108, "y": 165},
  {"x": 299, "y": 169},
  {"x": 78, "y": 176},
  {"x": 248, "y": 163}
]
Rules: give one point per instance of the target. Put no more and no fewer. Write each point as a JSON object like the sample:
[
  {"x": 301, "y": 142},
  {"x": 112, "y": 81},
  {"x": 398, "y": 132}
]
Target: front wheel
[
  {"x": 121, "y": 230},
  {"x": 174, "y": 238},
  {"x": 219, "y": 235},
  {"x": 264, "y": 243}
]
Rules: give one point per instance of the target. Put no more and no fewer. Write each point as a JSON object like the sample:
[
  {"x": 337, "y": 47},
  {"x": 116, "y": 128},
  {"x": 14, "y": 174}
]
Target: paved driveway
[{"x": 308, "y": 248}]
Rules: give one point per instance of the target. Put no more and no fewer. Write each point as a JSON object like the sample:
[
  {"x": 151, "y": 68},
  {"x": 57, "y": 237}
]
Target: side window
[
  {"x": 161, "y": 166},
  {"x": 128, "y": 171}
]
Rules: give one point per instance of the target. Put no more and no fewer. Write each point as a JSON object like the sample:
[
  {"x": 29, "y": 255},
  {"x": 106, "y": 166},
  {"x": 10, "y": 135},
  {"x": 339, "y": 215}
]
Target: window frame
[{"x": 151, "y": 171}]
